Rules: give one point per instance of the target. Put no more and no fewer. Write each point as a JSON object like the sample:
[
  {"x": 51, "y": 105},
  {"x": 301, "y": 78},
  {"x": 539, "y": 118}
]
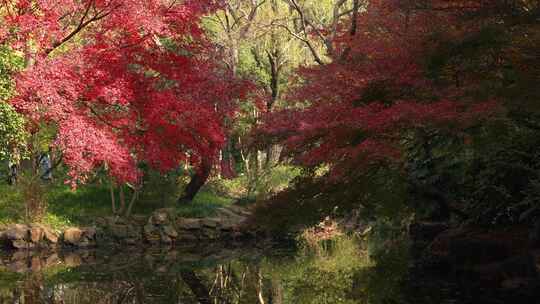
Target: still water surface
[{"x": 338, "y": 273}]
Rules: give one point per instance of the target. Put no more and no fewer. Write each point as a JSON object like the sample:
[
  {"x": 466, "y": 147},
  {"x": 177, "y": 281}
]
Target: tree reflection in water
[{"x": 337, "y": 274}]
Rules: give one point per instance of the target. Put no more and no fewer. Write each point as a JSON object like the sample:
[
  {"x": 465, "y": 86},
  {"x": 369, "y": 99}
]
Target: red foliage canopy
[
  {"x": 357, "y": 108},
  {"x": 124, "y": 80}
]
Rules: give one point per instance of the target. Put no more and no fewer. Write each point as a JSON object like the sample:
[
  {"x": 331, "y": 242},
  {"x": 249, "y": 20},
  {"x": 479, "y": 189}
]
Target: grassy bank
[{"x": 82, "y": 206}]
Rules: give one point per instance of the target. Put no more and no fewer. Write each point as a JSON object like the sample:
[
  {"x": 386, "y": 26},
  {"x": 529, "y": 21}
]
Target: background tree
[
  {"x": 256, "y": 47},
  {"x": 12, "y": 125}
]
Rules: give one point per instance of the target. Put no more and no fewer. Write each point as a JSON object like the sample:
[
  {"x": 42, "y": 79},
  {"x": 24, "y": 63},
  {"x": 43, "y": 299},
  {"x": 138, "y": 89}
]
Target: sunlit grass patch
[{"x": 204, "y": 204}]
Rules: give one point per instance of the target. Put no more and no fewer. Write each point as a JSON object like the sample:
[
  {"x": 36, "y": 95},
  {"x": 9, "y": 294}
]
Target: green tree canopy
[{"x": 12, "y": 125}]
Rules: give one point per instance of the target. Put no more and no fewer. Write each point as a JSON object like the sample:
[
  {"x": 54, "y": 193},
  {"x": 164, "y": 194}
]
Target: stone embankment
[
  {"x": 33, "y": 236},
  {"x": 162, "y": 228}
]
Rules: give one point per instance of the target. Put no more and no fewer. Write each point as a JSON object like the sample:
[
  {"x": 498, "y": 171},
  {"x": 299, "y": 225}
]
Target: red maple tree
[
  {"x": 357, "y": 108},
  {"x": 124, "y": 81}
]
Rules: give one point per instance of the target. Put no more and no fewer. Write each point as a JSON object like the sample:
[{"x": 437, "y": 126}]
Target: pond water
[{"x": 338, "y": 273}]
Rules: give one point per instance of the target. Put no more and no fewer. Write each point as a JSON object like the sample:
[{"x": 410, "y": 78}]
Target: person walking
[
  {"x": 13, "y": 164},
  {"x": 46, "y": 168}
]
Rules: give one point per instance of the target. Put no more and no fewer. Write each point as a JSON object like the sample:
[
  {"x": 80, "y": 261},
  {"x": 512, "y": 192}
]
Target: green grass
[
  {"x": 80, "y": 207},
  {"x": 67, "y": 207},
  {"x": 77, "y": 207},
  {"x": 11, "y": 207},
  {"x": 204, "y": 204},
  {"x": 270, "y": 182}
]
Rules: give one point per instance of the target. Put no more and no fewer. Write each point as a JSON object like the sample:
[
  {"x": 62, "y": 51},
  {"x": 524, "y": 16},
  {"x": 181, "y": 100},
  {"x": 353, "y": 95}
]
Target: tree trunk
[
  {"x": 122, "y": 200},
  {"x": 227, "y": 161},
  {"x": 276, "y": 64},
  {"x": 132, "y": 202},
  {"x": 197, "y": 181},
  {"x": 273, "y": 155},
  {"x": 113, "y": 202}
]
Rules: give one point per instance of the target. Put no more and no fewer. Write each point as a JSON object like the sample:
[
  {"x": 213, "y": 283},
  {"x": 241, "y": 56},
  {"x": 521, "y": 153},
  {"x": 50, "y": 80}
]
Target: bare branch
[
  {"x": 252, "y": 14},
  {"x": 353, "y": 29},
  {"x": 308, "y": 43},
  {"x": 82, "y": 24},
  {"x": 303, "y": 23}
]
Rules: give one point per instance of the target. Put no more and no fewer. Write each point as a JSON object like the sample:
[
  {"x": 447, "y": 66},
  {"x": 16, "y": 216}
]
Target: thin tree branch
[
  {"x": 82, "y": 24},
  {"x": 306, "y": 41}
]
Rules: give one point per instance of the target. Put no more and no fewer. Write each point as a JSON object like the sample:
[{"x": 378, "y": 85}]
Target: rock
[
  {"x": 240, "y": 210},
  {"x": 152, "y": 239},
  {"x": 159, "y": 218},
  {"x": 170, "y": 231},
  {"x": 17, "y": 232},
  {"x": 210, "y": 234},
  {"x": 130, "y": 241},
  {"x": 149, "y": 229},
  {"x": 189, "y": 224},
  {"x": 224, "y": 212},
  {"x": 211, "y": 222},
  {"x": 100, "y": 221},
  {"x": 36, "y": 233},
  {"x": 162, "y": 216},
  {"x": 119, "y": 231},
  {"x": 228, "y": 225},
  {"x": 151, "y": 233},
  {"x": 73, "y": 236},
  {"x": 111, "y": 220},
  {"x": 133, "y": 232},
  {"x": 90, "y": 232},
  {"x": 139, "y": 220},
  {"x": 50, "y": 235},
  {"x": 165, "y": 239}
]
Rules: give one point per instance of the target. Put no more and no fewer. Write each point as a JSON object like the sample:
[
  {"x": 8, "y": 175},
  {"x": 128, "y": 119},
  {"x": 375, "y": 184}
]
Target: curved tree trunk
[{"x": 197, "y": 181}]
